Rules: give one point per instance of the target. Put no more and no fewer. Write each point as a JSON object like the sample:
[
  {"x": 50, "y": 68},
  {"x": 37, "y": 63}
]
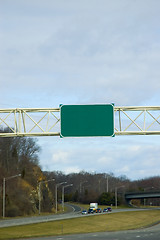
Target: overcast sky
[{"x": 84, "y": 52}]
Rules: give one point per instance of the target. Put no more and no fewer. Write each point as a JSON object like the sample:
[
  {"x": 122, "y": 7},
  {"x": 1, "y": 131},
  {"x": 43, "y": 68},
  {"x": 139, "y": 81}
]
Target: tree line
[{"x": 20, "y": 155}]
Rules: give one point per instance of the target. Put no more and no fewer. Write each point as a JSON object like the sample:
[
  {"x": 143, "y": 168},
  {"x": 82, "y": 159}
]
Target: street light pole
[
  {"x": 39, "y": 207},
  {"x": 69, "y": 185},
  {"x": 4, "y": 192},
  {"x": 57, "y": 185}
]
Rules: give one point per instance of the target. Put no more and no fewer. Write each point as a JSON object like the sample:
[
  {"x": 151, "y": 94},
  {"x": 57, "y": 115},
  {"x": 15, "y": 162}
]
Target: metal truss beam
[
  {"x": 22, "y": 122},
  {"x": 137, "y": 120},
  {"x": 46, "y": 121}
]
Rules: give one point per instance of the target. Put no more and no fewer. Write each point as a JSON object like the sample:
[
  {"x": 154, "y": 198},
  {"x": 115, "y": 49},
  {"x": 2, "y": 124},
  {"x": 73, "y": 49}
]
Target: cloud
[
  {"x": 104, "y": 59},
  {"x": 125, "y": 170},
  {"x": 60, "y": 157},
  {"x": 74, "y": 169},
  {"x": 105, "y": 160},
  {"x": 130, "y": 156}
]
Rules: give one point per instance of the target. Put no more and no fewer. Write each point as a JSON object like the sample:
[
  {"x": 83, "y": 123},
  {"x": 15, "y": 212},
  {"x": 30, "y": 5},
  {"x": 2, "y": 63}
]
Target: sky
[{"x": 84, "y": 52}]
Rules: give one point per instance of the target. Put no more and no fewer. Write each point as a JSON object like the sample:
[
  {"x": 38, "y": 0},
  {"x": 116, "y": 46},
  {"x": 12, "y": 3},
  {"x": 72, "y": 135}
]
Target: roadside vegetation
[{"x": 94, "y": 223}]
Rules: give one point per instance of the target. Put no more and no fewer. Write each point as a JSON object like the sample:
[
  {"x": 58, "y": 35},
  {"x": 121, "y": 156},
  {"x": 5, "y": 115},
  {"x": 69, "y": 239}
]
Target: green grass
[{"x": 95, "y": 223}]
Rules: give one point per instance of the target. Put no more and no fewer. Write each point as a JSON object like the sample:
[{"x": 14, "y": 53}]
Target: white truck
[{"x": 94, "y": 206}]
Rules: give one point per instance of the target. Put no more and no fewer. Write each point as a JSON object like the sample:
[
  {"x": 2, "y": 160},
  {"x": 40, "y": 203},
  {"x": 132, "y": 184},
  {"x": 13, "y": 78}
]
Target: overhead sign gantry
[{"x": 104, "y": 120}]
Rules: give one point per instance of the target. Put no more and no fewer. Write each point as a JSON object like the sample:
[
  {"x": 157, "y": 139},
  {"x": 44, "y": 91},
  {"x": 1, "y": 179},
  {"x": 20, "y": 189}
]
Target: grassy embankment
[{"x": 95, "y": 223}]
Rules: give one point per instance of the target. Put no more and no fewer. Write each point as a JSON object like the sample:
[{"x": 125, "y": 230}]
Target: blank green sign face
[{"x": 87, "y": 120}]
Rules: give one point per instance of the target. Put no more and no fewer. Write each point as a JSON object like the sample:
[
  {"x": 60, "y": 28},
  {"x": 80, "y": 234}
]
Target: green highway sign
[{"x": 87, "y": 120}]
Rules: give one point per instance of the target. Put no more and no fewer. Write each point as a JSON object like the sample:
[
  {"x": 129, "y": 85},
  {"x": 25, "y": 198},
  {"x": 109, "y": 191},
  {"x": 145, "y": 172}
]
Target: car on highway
[
  {"x": 84, "y": 212},
  {"x": 98, "y": 210},
  {"x": 105, "y": 210},
  {"x": 90, "y": 210},
  {"x": 109, "y": 209}
]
